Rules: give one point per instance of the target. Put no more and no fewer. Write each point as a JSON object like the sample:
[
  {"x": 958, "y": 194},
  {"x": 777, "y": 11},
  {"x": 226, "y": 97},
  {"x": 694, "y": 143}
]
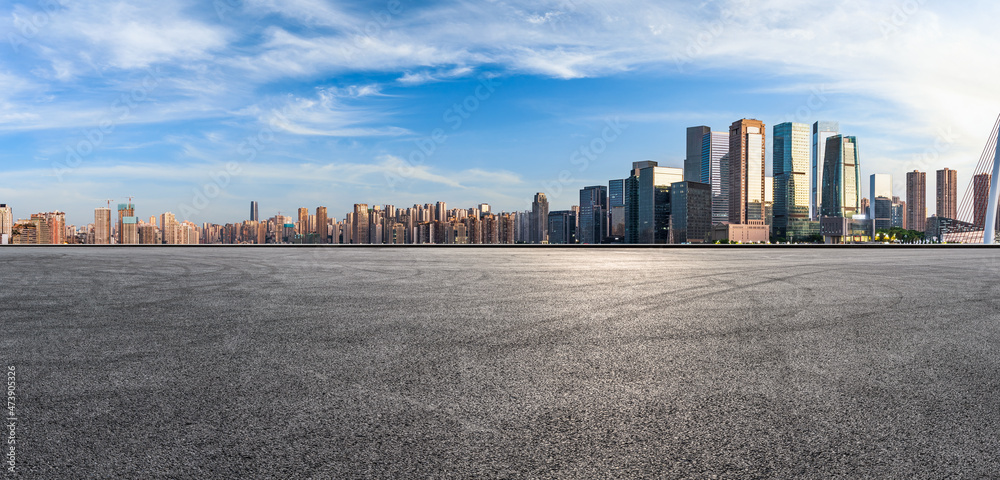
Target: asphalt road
[{"x": 499, "y": 363}]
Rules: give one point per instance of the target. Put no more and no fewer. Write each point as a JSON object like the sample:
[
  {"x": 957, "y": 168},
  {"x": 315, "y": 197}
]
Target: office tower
[
  {"x": 880, "y": 210},
  {"x": 715, "y": 172},
  {"x": 916, "y": 200},
  {"x": 593, "y": 226},
  {"x": 254, "y": 213},
  {"x": 652, "y": 201},
  {"x": 769, "y": 202},
  {"x": 898, "y": 213},
  {"x": 692, "y": 163},
  {"x": 360, "y": 227},
  {"x": 841, "y": 178},
  {"x": 616, "y": 208},
  {"x": 947, "y": 193},
  {"x": 746, "y": 172},
  {"x": 6, "y": 224},
  {"x": 322, "y": 228},
  {"x": 102, "y": 226},
  {"x": 540, "y": 219},
  {"x": 125, "y": 210},
  {"x": 791, "y": 179},
  {"x": 690, "y": 212},
  {"x": 821, "y": 131},
  {"x": 981, "y": 198},
  {"x": 562, "y": 227}
]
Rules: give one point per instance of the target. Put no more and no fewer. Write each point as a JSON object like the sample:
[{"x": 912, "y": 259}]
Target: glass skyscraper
[
  {"x": 593, "y": 214},
  {"x": 616, "y": 207},
  {"x": 841, "y": 178},
  {"x": 821, "y": 131},
  {"x": 791, "y": 182},
  {"x": 714, "y": 147}
]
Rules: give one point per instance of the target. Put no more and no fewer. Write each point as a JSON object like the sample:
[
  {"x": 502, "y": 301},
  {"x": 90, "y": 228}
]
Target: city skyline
[{"x": 271, "y": 101}]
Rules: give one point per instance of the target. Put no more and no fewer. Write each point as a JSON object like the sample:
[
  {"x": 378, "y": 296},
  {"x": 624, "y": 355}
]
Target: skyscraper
[
  {"x": 693, "y": 161},
  {"x": 616, "y": 207},
  {"x": 916, "y": 200},
  {"x": 125, "y": 210},
  {"x": 102, "y": 226},
  {"x": 821, "y": 131},
  {"x": 981, "y": 198},
  {"x": 947, "y": 193},
  {"x": 898, "y": 213},
  {"x": 746, "y": 171},
  {"x": 690, "y": 212},
  {"x": 715, "y": 172},
  {"x": 562, "y": 227},
  {"x": 6, "y": 223},
  {"x": 540, "y": 219},
  {"x": 841, "y": 178},
  {"x": 593, "y": 214},
  {"x": 441, "y": 211},
  {"x": 254, "y": 213},
  {"x": 360, "y": 228},
  {"x": 791, "y": 180},
  {"x": 322, "y": 228},
  {"x": 649, "y": 220},
  {"x": 303, "y": 223},
  {"x": 880, "y": 208}
]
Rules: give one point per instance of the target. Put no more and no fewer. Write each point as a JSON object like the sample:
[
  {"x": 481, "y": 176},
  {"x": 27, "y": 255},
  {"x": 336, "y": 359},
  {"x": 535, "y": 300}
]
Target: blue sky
[{"x": 198, "y": 107}]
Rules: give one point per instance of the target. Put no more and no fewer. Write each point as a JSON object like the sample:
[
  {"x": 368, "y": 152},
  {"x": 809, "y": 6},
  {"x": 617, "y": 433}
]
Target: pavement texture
[{"x": 503, "y": 363}]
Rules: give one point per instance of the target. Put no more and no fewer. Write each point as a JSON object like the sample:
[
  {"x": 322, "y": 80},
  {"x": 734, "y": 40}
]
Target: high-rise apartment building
[
  {"x": 540, "y": 219},
  {"x": 102, "y": 226},
  {"x": 693, "y": 161},
  {"x": 170, "y": 229},
  {"x": 980, "y": 200},
  {"x": 947, "y": 193},
  {"x": 6, "y": 223},
  {"x": 322, "y": 229},
  {"x": 126, "y": 210},
  {"x": 746, "y": 172},
  {"x": 303, "y": 221},
  {"x": 841, "y": 178},
  {"x": 916, "y": 200},
  {"x": 360, "y": 228},
  {"x": 715, "y": 172},
  {"x": 129, "y": 230},
  {"x": 821, "y": 132},
  {"x": 593, "y": 227},
  {"x": 898, "y": 213},
  {"x": 791, "y": 179}
]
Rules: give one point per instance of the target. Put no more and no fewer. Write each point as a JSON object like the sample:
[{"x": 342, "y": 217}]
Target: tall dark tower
[{"x": 254, "y": 217}]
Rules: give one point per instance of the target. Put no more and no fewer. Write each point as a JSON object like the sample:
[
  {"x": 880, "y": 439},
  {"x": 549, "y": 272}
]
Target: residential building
[
  {"x": 916, "y": 201},
  {"x": 947, "y": 193}
]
